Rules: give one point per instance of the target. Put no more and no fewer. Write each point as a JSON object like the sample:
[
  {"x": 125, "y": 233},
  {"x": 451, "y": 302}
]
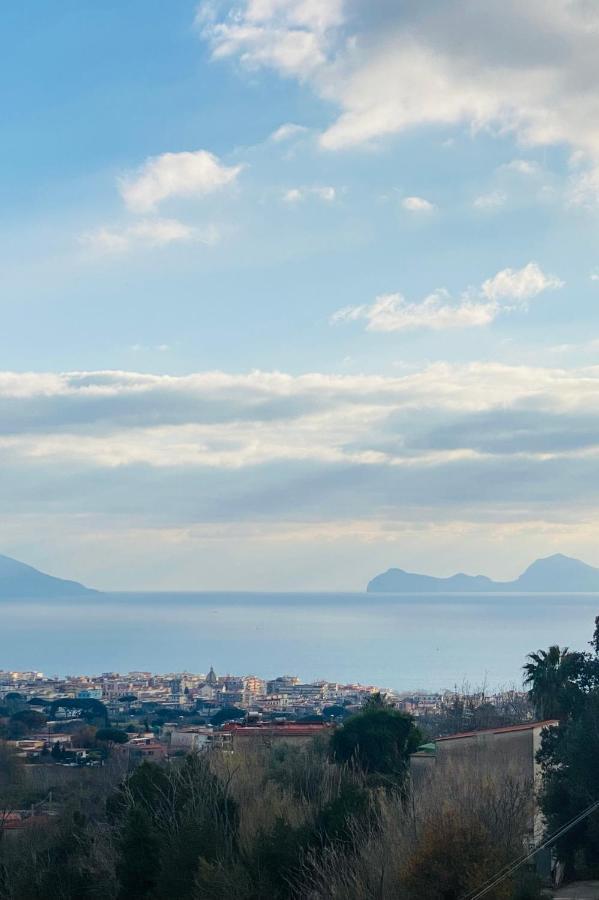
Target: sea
[{"x": 405, "y": 642}]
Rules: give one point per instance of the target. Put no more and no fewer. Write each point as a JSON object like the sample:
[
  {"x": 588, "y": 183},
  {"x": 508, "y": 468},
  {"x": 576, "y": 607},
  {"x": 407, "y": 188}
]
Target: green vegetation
[
  {"x": 227, "y": 714},
  {"x": 112, "y": 735},
  {"x": 556, "y": 679},
  {"x": 378, "y": 741},
  {"x": 92, "y": 711},
  {"x": 22, "y": 723},
  {"x": 566, "y": 685}
]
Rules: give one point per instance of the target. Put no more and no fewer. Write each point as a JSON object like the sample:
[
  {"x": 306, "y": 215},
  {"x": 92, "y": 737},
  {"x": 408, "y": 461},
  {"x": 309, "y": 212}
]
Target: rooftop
[
  {"x": 505, "y": 729},
  {"x": 284, "y": 729}
]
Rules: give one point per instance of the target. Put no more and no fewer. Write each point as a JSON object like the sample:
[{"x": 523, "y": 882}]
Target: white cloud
[
  {"x": 491, "y": 201},
  {"x": 590, "y": 346},
  {"x": 529, "y": 69},
  {"x": 160, "y": 348},
  {"x": 157, "y": 232},
  {"x": 322, "y": 192},
  {"x": 293, "y": 195},
  {"x": 289, "y": 35},
  {"x": 176, "y": 175},
  {"x": 105, "y": 240},
  {"x": 417, "y": 205},
  {"x": 584, "y": 188},
  {"x": 293, "y": 51},
  {"x": 437, "y": 312},
  {"x": 147, "y": 233},
  {"x": 326, "y": 192},
  {"x": 440, "y": 311},
  {"x": 522, "y": 167},
  {"x": 287, "y": 132},
  {"x": 519, "y": 285}
]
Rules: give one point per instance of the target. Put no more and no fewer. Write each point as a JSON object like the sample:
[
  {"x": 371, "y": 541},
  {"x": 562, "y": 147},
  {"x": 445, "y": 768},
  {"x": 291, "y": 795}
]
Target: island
[
  {"x": 20, "y": 581},
  {"x": 554, "y": 575}
]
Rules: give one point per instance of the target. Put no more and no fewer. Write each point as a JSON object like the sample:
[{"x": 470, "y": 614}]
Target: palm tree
[{"x": 553, "y": 679}]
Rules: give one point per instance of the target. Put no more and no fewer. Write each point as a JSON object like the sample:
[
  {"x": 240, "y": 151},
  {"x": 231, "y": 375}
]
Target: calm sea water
[{"x": 400, "y": 641}]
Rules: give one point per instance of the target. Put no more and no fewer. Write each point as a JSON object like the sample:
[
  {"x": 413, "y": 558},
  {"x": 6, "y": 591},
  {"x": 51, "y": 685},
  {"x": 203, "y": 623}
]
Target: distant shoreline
[{"x": 368, "y": 597}]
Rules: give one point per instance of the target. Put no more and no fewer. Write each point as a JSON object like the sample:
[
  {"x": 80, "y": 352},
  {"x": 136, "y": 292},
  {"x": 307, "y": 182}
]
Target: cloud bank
[
  {"x": 271, "y": 445},
  {"x": 345, "y": 473}
]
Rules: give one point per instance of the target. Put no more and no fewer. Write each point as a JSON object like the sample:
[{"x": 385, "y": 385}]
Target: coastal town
[{"x": 155, "y": 716}]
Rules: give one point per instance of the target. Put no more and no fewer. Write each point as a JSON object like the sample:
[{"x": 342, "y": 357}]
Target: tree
[
  {"x": 376, "y": 701},
  {"x": 335, "y": 712},
  {"x": 30, "y": 718},
  {"x": 14, "y": 701},
  {"x": 139, "y": 861},
  {"x": 84, "y": 736},
  {"x": 379, "y": 741},
  {"x": 568, "y": 757},
  {"x": 79, "y": 708},
  {"x": 112, "y": 735},
  {"x": 595, "y": 641},
  {"x": 24, "y": 722},
  {"x": 11, "y": 776},
  {"x": 167, "y": 822},
  {"x": 567, "y": 685},
  {"x": 227, "y": 714},
  {"x": 555, "y": 678}
]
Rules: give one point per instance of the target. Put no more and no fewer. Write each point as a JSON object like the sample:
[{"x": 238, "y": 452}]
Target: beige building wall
[{"x": 502, "y": 752}]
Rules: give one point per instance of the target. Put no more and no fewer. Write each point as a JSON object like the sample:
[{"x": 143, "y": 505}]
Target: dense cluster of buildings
[
  {"x": 178, "y": 712},
  {"x": 174, "y": 713},
  {"x": 205, "y": 693},
  {"x": 184, "y": 709},
  {"x": 209, "y": 692}
]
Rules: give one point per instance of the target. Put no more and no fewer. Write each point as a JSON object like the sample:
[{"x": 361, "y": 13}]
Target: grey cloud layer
[
  {"x": 478, "y": 490},
  {"x": 115, "y": 399},
  {"x": 214, "y": 447},
  {"x": 508, "y": 431}
]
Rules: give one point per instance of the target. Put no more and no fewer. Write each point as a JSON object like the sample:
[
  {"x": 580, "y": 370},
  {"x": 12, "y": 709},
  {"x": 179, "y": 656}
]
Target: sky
[{"x": 294, "y": 291}]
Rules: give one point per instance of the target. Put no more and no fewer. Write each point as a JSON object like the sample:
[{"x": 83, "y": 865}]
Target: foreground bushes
[
  {"x": 281, "y": 824},
  {"x": 438, "y": 844}
]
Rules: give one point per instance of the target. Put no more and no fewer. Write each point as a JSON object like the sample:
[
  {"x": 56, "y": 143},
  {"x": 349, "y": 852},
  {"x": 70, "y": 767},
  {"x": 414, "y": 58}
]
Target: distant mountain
[
  {"x": 18, "y": 580},
  {"x": 554, "y": 574}
]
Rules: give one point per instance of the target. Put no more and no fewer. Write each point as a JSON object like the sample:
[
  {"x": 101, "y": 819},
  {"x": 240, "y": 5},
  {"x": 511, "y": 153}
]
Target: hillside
[
  {"x": 553, "y": 574},
  {"x": 18, "y": 580}
]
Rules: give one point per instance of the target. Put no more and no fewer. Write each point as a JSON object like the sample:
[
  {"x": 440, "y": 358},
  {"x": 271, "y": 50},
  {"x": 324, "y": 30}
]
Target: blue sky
[{"x": 296, "y": 291}]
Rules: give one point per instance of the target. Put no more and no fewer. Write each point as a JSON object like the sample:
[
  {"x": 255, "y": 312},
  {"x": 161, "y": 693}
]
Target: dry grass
[{"x": 451, "y": 835}]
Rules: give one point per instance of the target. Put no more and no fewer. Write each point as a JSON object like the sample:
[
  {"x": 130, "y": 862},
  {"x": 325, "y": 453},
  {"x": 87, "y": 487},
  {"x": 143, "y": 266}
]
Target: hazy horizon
[
  {"x": 402, "y": 642},
  {"x": 548, "y": 579}
]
